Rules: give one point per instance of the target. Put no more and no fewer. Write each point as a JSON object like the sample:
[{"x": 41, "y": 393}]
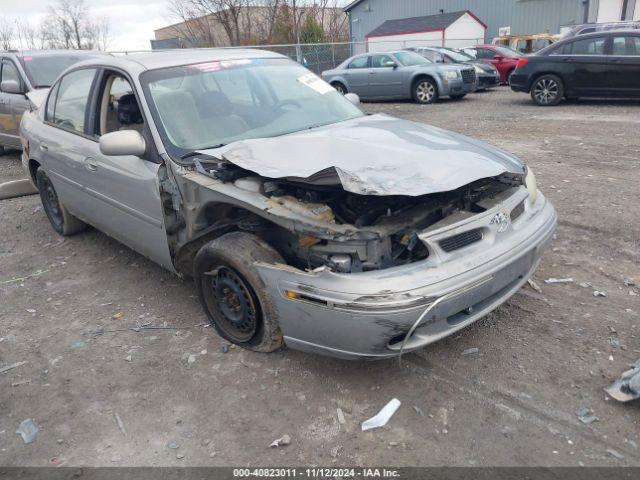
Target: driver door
[
  {"x": 385, "y": 78},
  {"x": 12, "y": 106}
]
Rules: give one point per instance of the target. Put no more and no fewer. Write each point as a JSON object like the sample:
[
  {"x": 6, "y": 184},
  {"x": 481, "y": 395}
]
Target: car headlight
[
  {"x": 531, "y": 184},
  {"x": 478, "y": 69},
  {"x": 451, "y": 74}
]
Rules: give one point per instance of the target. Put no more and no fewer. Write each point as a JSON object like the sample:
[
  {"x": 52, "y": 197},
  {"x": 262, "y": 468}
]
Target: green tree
[{"x": 311, "y": 31}]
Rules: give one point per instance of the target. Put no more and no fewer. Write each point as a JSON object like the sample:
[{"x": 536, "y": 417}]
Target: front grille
[
  {"x": 517, "y": 211},
  {"x": 461, "y": 240},
  {"x": 468, "y": 75}
]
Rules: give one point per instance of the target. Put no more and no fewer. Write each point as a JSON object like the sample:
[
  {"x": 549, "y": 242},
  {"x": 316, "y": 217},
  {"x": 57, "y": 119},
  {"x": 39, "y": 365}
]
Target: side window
[
  {"x": 9, "y": 72},
  {"x": 626, "y": 46},
  {"x": 71, "y": 100},
  {"x": 51, "y": 103},
  {"x": 590, "y": 46},
  {"x": 562, "y": 50},
  {"x": 483, "y": 53},
  {"x": 360, "y": 62},
  {"x": 119, "y": 108},
  {"x": 381, "y": 61},
  {"x": 471, "y": 51}
]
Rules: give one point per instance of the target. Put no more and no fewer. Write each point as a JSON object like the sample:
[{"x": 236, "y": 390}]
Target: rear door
[
  {"x": 357, "y": 75},
  {"x": 624, "y": 65},
  {"x": 12, "y": 105},
  {"x": 385, "y": 79}
]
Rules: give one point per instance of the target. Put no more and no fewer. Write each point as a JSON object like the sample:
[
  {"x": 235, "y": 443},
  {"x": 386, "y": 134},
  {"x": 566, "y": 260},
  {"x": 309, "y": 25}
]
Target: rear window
[{"x": 43, "y": 70}]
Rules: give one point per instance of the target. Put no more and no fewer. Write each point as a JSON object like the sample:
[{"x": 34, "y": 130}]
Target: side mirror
[
  {"x": 11, "y": 86},
  {"x": 122, "y": 142},
  {"x": 353, "y": 98}
]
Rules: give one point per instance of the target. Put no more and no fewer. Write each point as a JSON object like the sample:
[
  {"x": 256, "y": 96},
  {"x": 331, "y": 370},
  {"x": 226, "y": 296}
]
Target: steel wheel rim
[
  {"x": 425, "y": 91},
  {"x": 234, "y": 307},
  {"x": 340, "y": 89},
  {"x": 546, "y": 90},
  {"x": 51, "y": 203}
]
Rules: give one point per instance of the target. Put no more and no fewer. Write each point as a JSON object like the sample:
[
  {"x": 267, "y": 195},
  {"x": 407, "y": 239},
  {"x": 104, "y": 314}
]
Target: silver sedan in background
[{"x": 401, "y": 74}]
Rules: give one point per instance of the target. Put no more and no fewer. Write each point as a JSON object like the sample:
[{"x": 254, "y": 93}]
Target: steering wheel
[{"x": 284, "y": 103}]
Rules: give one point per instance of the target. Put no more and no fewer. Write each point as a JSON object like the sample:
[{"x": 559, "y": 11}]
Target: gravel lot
[{"x": 541, "y": 356}]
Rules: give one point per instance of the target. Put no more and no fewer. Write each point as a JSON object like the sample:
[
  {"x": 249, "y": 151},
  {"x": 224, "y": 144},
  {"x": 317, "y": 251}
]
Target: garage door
[{"x": 610, "y": 10}]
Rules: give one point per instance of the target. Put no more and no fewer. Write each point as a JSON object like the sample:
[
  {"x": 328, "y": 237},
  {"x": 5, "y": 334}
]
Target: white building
[{"x": 455, "y": 29}]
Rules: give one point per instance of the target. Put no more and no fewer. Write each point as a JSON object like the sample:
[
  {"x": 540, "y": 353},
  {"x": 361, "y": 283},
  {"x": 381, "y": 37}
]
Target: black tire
[
  {"x": 457, "y": 97},
  {"x": 547, "y": 90},
  {"x": 61, "y": 220},
  {"x": 232, "y": 293},
  {"x": 425, "y": 91},
  {"x": 339, "y": 87},
  {"x": 2, "y": 150}
]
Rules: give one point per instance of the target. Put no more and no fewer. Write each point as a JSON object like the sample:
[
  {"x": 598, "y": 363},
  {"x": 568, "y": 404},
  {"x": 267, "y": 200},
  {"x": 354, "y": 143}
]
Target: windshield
[
  {"x": 411, "y": 59},
  {"x": 455, "y": 55},
  {"x": 43, "y": 70},
  {"x": 215, "y": 103},
  {"x": 507, "y": 52}
]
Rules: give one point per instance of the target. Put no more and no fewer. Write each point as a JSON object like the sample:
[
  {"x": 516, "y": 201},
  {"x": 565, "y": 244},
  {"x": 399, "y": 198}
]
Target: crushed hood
[{"x": 373, "y": 155}]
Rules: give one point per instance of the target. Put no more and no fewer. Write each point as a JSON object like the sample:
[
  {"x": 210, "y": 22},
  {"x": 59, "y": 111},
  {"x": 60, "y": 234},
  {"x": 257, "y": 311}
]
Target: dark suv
[{"x": 604, "y": 64}]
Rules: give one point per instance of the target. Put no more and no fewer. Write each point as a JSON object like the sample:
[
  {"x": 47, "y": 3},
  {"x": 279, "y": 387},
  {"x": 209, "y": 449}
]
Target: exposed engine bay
[{"x": 393, "y": 221}]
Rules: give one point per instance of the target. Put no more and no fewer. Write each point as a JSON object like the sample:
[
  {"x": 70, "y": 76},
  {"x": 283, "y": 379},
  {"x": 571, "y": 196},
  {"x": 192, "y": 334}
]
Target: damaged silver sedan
[{"x": 302, "y": 220}]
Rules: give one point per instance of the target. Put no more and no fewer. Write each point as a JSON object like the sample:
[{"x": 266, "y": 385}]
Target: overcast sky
[{"x": 132, "y": 21}]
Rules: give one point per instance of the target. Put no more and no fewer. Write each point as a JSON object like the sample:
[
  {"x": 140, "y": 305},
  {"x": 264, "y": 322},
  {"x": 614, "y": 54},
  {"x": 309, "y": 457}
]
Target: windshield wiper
[{"x": 195, "y": 153}]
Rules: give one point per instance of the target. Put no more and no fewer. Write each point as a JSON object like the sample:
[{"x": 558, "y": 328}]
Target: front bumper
[
  {"x": 456, "y": 87},
  {"x": 367, "y": 315},
  {"x": 487, "y": 81}
]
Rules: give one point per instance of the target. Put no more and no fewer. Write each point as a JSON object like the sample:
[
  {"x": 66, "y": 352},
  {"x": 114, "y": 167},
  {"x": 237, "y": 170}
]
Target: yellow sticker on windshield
[{"x": 311, "y": 80}]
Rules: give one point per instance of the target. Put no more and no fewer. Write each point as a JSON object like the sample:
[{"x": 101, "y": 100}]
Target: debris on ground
[
  {"x": 281, "y": 442},
  {"x": 585, "y": 284},
  {"x": 629, "y": 282},
  {"x": 533, "y": 284},
  {"x": 613, "y": 452},
  {"x": 383, "y": 415},
  {"x": 11, "y": 367},
  {"x": 28, "y": 430},
  {"x": 418, "y": 411},
  {"x": 224, "y": 348},
  {"x": 21, "y": 382},
  {"x": 470, "y": 351},
  {"x": 585, "y": 416},
  {"x": 172, "y": 445},
  {"x": 627, "y": 387},
  {"x": 180, "y": 456},
  {"x": 120, "y": 424},
  {"x": 78, "y": 344},
  {"x": 118, "y": 315},
  {"x": 598, "y": 293},
  {"x": 558, "y": 280},
  {"x": 191, "y": 359},
  {"x": 341, "y": 418}
]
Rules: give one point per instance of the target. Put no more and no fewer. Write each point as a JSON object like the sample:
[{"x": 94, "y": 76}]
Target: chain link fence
[{"x": 318, "y": 57}]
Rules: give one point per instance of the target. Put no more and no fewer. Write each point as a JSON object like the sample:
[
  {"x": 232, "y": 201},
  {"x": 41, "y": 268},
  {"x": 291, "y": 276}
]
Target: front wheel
[
  {"x": 232, "y": 293},
  {"x": 341, "y": 89},
  {"x": 425, "y": 91},
  {"x": 547, "y": 90},
  {"x": 457, "y": 97},
  {"x": 61, "y": 220}
]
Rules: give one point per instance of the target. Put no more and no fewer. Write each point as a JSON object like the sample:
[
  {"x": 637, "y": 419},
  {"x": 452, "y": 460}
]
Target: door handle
[
  {"x": 91, "y": 164},
  {"x": 568, "y": 59},
  {"x": 44, "y": 147},
  {"x": 617, "y": 60}
]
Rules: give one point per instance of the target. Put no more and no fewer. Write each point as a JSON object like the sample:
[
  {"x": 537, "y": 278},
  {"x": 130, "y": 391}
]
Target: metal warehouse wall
[{"x": 523, "y": 16}]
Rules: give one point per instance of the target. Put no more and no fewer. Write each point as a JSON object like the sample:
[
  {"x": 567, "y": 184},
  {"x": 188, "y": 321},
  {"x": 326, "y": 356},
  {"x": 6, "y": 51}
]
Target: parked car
[
  {"x": 605, "y": 64},
  {"x": 526, "y": 43},
  {"x": 303, "y": 220},
  {"x": 401, "y": 74},
  {"x": 599, "y": 27},
  {"x": 487, "y": 76},
  {"x": 504, "y": 59},
  {"x": 24, "y": 78}
]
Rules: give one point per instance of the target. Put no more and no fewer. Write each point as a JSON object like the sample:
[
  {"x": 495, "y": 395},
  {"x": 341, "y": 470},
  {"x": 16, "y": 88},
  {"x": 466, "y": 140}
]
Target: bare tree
[
  {"x": 28, "y": 36},
  {"x": 69, "y": 25},
  {"x": 6, "y": 33}
]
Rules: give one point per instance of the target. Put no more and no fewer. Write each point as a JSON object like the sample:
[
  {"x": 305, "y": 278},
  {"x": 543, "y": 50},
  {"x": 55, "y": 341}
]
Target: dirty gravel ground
[{"x": 541, "y": 356}]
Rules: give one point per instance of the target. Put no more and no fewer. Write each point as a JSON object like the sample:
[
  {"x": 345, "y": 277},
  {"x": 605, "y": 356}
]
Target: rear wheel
[
  {"x": 233, "y": 294},
  {"x": 425, "y": 91},
  {"x": 61, "y": 220},
  {"x": 339, "y": 87},
  {"x": 2, "y": 150},
  {"x": 547, "y": 90}
]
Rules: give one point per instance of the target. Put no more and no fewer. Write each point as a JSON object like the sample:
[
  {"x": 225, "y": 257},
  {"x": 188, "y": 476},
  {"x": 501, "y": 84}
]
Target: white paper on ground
[{"x": 383, "y": 415}]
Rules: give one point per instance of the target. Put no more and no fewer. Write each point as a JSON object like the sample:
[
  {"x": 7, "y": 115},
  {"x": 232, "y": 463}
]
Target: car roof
[
  {"x": 140, "y": 61},
  {"x": 51, "y": 53}
]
